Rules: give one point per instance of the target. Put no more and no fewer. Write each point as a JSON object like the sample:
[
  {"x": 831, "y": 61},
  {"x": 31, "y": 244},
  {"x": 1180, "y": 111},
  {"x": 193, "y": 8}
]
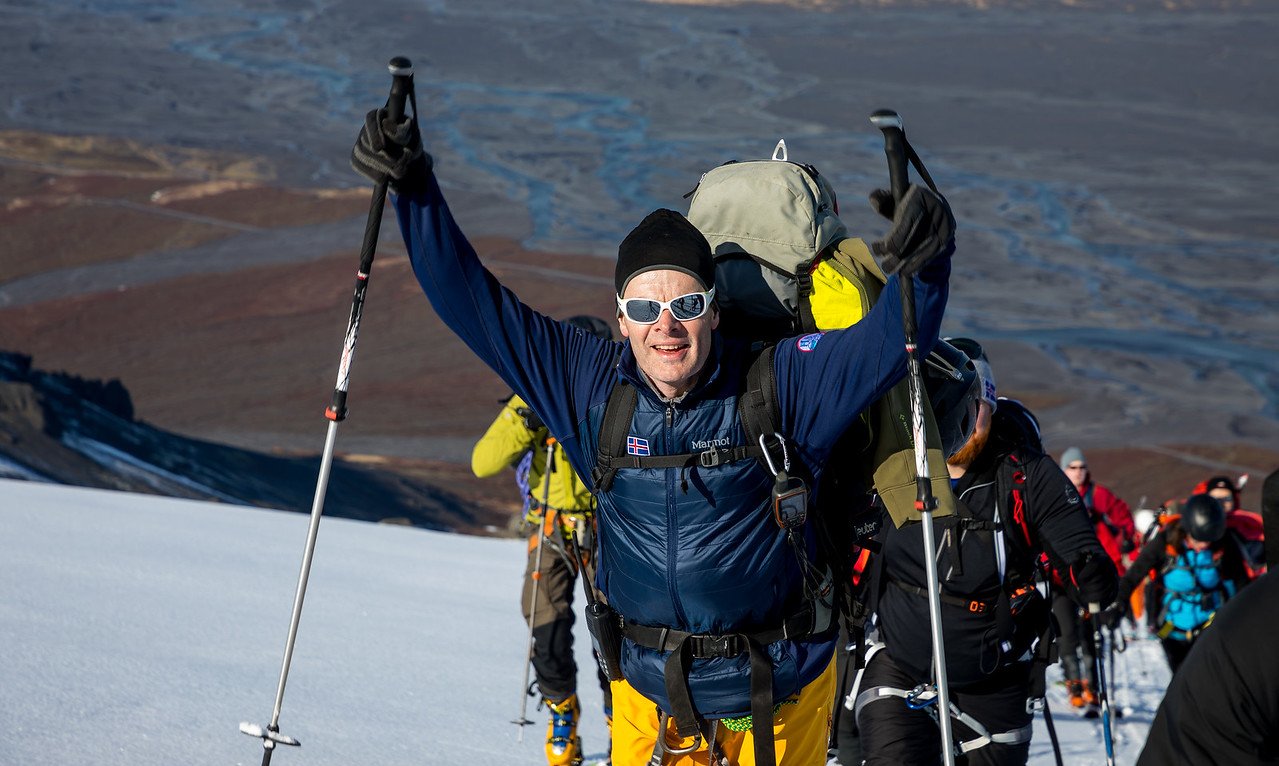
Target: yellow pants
[{"x": 800, "y": 730}]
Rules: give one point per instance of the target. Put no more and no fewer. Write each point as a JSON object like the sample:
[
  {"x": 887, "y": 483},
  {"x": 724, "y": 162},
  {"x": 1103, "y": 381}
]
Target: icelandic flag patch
[
  {"x": 809, "y": 342},
  {"x": 636, "y": 446}
]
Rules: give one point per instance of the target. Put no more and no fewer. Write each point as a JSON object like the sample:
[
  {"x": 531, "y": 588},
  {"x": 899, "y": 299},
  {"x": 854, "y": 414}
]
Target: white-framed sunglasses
[{"x": 684, "y": 307}]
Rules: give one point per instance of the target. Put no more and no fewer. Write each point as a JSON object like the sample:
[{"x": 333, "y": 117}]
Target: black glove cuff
[{"x": 415, "y": 175}]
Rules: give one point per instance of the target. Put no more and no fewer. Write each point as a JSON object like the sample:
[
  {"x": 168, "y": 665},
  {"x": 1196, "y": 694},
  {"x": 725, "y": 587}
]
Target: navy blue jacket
[{"x": 703, "y": 559}]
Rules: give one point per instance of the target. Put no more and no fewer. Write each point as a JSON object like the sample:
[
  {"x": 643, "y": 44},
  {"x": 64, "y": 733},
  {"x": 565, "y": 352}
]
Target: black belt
[
  {"x": 685, "y": 646},
  {"x": 705, "y": 645},
  {"x": 972, "y": 605}
]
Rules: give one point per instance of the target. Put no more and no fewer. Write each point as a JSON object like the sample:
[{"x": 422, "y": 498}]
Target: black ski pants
[
  {"x": 893, "y": 733},
  {"x": 1175, "y": 651},
  {"x": 553, "y": 662},
  {"x": 1076, "y": 649}
]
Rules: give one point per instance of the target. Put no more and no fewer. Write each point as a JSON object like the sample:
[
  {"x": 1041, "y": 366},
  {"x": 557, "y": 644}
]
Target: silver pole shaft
[
  {"x": 930, "y": 548},
  {"x": 317, "y": 507},
  {"x": 939, "y": 644}
]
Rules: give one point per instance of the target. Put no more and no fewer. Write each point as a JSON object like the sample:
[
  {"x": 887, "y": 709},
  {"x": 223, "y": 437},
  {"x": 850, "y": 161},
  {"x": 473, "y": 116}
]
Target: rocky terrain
[{"x": 1110, "y": 168}]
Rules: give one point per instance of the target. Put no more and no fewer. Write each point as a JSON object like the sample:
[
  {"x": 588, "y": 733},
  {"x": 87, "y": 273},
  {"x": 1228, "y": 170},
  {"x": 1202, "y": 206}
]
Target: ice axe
[
  {"x": 898, "y": 151},
  {"x": 401, "y": 92}
]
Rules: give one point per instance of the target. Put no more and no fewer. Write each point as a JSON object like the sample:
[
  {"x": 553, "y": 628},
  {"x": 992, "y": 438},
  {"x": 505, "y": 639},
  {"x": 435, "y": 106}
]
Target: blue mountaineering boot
[{"x": 563, "y": 748}]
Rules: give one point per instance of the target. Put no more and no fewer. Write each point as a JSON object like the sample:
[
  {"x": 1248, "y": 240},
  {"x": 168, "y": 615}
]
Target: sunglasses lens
[
  {"x": 689, "y": 306},
  {"x": 642, "y": 311}
]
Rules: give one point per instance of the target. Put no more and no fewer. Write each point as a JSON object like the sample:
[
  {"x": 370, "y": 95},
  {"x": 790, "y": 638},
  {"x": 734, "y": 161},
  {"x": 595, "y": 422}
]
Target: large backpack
[
  {"x": 769, "y": 224},
  {"x": 784, "y": 266}
]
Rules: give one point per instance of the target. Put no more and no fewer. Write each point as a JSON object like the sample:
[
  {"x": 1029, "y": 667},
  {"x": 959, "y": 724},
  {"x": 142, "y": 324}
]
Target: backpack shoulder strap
[
  {"x": 618, "y": 413},
  {"x": 758, "y": 406},
  {"x": 1024, "y": 554},
  {"x": 851, "y": 253}
]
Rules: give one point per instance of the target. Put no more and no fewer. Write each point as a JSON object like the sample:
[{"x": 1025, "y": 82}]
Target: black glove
[
  {"x": 531, "y": 421},
  {"x": 1111, "y": 616},
  {"x": 923, "y": 228},
  {"x": 390, "y": 151},
  {"x": 1095, "y": 579}
]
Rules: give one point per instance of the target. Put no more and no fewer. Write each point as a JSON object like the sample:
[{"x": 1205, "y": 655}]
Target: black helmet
[
  {"x": 954, "y": 390},
  {"x": 594, "y": 325},
  {"x": 1203, "y": 518}
]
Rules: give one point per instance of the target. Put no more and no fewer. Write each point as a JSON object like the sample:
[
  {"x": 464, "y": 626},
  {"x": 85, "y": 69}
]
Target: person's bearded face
[{"x": 966, "y": 454}]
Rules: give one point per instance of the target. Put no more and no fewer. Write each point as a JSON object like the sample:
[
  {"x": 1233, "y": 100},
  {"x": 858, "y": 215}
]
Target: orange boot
[{"x": 1075, "y": 692}]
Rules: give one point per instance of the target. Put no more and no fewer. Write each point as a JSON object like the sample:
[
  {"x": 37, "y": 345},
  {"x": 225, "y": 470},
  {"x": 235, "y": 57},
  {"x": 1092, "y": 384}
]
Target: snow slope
[{"x": 142, "y": 630}]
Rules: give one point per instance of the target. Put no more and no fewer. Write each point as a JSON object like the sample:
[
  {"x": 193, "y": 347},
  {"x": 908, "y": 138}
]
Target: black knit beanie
[{"x": 664, "y": 240}]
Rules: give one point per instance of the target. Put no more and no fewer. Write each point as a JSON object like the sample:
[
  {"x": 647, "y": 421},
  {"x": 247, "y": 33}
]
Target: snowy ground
[
  {"x": 1140, "y": 677},
  {"x": 143, "y": 630}
]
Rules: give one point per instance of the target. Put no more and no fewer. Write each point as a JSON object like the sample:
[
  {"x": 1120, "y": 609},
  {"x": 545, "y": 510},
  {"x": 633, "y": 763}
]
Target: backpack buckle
[
  {"x": 710, "y": 458},
  {"x": 727, "y": 645}
]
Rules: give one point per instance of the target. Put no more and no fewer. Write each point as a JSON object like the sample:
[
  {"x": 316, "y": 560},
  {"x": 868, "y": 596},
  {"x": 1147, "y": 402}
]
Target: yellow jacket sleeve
[{"x": 505, "y": 442}]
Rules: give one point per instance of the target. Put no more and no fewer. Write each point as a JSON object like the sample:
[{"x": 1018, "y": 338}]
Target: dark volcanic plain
[{"x": 176, "y": 211}]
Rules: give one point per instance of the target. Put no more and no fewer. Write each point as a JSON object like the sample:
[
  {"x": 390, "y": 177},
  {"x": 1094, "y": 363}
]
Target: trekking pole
[
  {"x": 1126, "y": 676},
  {"x": 895, "y": 148},
  {"x": 523, "y": 720},
  {"x": 1052, "y": 731},
  {"x": 401, "y": 90},
  {"x": 1097, "y": 639},
  {"x": 1110, "y": 664}
]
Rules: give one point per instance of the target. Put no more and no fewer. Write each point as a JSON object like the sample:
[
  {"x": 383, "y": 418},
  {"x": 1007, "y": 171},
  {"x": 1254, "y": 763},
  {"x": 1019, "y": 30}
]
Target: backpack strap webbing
[
  {"x": 1013, "y": 486},
  {"x": 804, "y": 281}
]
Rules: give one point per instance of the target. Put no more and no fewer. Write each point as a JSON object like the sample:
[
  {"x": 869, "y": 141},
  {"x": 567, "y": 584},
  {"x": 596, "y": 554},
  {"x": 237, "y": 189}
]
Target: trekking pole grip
[{"x": 890, "y": 123}]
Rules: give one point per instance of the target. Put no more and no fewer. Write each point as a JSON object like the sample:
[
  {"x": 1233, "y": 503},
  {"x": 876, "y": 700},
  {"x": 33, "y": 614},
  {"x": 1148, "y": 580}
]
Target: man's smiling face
[{"x": 669, "y": 352}]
